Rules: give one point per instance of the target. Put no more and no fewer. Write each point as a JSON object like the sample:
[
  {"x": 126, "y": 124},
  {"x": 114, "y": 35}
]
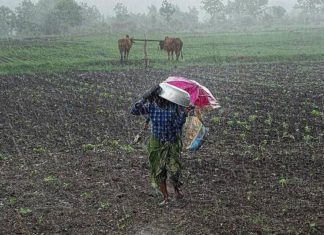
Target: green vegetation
[
  {"x": 50, "y": 179},
  {"x": 100, "y": 53},
  {"x": 12, "y": 200},
  {"x": 282, "y": 181},
  {"x": 88, "y": 147},
  {"x": 86, "y": 195},
  {"x": 25, "y": 211},
  {"x": 39, "y": 150}
]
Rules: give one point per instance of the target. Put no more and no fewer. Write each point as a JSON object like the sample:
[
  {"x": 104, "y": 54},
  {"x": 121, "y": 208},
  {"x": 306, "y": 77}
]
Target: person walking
[{"x": 167, "y": 113}]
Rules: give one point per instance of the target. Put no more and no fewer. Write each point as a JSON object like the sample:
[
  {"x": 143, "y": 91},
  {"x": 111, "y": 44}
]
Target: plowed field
[{"x": 68, "y": 165}]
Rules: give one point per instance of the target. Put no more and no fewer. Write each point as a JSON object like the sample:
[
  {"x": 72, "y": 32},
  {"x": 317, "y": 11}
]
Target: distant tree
[
  {"x": 91, "y": 17},
  {"x": 91, "y": 13},
  {"x": 278, "y": 12},
  {"x": 7, "y": 21},
  {"x": 152, "y": 18},
  {"x": 193, "y": 15},
  {"x": 121, "y": 11},
  {"x": 152, "y": 14},
  {"x": 309, "y": 6},
  {"x": 124, "y": 21},
  {"x": 311, "y": 9},
  {"x": 43, "y": 9},
  {"x": 65, "y": 15},
  {"x": 215, "y": 8},
  {"x": 184, "y": 21},
  {"x": 247, "y": 7},
  {"x": 274, "y": 14},
  {"x": 167, "y": 10},
  {"x": 26, "y": 22}
]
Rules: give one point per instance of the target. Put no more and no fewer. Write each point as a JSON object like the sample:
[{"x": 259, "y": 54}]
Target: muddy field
[{"x": 68, "y": 165}]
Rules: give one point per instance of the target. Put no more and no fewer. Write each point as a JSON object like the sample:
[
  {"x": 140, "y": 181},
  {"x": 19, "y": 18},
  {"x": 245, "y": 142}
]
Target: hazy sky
[{"x": 137, "y": 6}]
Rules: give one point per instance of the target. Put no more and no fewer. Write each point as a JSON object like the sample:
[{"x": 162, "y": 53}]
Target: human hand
[
  {"x": 189, "y": 109},
  {"x": 151, "y": 93}
]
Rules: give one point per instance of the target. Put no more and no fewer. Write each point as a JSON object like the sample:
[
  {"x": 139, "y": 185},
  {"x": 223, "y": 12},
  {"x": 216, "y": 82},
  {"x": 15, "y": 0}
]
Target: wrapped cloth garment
[{"x": 164, "y": 161}]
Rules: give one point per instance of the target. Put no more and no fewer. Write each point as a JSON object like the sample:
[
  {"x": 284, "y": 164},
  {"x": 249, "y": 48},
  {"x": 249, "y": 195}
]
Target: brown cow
[
  {"x": 172, "y": 45},
  {"x": 124, "y": 45}
]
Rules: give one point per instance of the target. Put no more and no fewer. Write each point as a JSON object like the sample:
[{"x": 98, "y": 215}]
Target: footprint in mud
[
  {"x": 152, "y": 230},
  {"x": 162, "y": 226},
  {"x": 155, "y": 229}
]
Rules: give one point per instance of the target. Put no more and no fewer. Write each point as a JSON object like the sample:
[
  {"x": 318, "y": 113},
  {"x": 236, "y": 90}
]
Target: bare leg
[
  {"x": 164, "y": 191},
  {"x": 178, "y": 193}
]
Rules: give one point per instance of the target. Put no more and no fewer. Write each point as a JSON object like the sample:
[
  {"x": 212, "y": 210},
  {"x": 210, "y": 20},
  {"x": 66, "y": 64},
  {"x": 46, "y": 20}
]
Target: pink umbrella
[{"x": 200, "y": 96}]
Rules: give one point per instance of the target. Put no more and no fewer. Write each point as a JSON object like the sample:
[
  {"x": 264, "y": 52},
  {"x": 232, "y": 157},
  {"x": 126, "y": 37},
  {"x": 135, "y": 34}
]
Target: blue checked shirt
[{"x": 166, "y": 123}]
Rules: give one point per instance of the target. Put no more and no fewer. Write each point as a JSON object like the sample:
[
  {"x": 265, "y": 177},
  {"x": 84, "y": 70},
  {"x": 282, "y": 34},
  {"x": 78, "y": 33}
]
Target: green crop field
[{"x": 100, "y": 53}]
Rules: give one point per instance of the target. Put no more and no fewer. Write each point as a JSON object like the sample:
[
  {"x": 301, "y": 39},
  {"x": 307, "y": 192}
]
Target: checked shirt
[{"x": 166, "y": 122}]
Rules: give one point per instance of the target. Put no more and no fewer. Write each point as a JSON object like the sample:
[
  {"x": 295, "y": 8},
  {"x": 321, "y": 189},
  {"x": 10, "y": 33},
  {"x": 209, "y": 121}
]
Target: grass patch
[{"x": 100, "y": 52}]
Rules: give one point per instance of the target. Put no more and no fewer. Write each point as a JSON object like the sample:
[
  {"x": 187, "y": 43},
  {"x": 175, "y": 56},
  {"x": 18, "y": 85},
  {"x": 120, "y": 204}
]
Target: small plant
[
  {"x": 268, "y": 120},
  {"x": 25, "y": 211},
  {"x": 88, "y": 147},
  {"x": 243, "y": 136},
  {"x": 252, "y": 118},
  {"x": 66, "y": 185},
  {"x": 285, "y": 125},
  {"x": 39, "y": 150},
  {"x": 230, "y": 123},
  {"x": 316, "y": 113},
  {"x": 215, "y": 120},
  {"x": 2, "y": 157},
  {"x": 127, "y": 148},
  {"x": 263, "y": 145},
  {"x": 249, "y": 194},
  {"x": 307, "y": 139},
  {"x": 243, "y": 124},
  {"x": 282, "y": 181},
  {"x": 100, "y": 111},
  {"x": 114, "y": 142},
  {"x": 103, "y": 205},
  {"x": 307, "y": 129},
  {"x": 86, "y": 195},
  {"x": 50, "y": 179},
  {"x": 40, "y": 220},
  {"x": 105, "y": 95},
  {"x": 12, "y": 200},
  {"x": 312, "y": 227}
]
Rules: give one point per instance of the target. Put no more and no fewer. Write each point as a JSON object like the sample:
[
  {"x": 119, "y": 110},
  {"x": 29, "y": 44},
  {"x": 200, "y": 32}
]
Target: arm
[
  {"x": 182, "y": 115},
  {"x": 141, "y": 108}
]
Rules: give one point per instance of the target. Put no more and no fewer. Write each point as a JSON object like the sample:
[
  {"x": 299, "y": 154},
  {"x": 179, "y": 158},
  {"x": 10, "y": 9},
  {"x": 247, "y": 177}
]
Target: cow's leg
[
  {"x": 127, "y": 53},
  {"x": 121, "y": 56},
  {"x": 168, "y": 55},
  {"x": 177, "y": 55}
]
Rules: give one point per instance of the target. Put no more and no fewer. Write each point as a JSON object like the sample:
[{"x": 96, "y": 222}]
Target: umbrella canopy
[{"x": 200, "y": 96}]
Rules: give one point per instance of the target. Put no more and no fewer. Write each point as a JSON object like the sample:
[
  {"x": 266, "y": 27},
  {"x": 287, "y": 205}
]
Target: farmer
[{"x": 164, "y": 146}]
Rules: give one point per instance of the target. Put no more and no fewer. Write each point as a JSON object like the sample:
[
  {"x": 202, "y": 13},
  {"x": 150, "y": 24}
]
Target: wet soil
[{"x": 68, "y": 165}]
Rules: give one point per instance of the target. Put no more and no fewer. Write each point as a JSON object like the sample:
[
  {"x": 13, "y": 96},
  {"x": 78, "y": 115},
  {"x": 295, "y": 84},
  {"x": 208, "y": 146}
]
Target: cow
[
  {"x": 172, "y": 45},
  {"x": 124, "y": 46}
]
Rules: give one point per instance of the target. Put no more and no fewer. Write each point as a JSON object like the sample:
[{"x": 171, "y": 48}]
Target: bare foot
[
  {"x": 178, "y": 194},
  {"x": 164, "y": 202}
]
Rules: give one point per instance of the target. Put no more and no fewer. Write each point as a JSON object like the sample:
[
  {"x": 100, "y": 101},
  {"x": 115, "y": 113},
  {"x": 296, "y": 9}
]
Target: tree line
[{"x": 59, "y": 17}]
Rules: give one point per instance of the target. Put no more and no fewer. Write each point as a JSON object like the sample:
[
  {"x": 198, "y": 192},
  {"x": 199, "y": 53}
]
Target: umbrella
[{"x": 200, "y": 96}]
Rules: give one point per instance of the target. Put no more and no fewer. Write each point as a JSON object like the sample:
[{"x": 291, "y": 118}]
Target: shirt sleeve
[
  {"x": 140, "y": 108},
  {"x": 182, "y": 115}
]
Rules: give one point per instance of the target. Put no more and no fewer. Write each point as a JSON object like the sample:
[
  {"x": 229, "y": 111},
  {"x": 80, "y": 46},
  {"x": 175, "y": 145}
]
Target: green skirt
[{"x": 164, "y": 161}]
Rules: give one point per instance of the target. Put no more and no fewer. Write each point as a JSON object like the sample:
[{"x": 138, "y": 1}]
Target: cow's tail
[{"x": 181, "y": 54}]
